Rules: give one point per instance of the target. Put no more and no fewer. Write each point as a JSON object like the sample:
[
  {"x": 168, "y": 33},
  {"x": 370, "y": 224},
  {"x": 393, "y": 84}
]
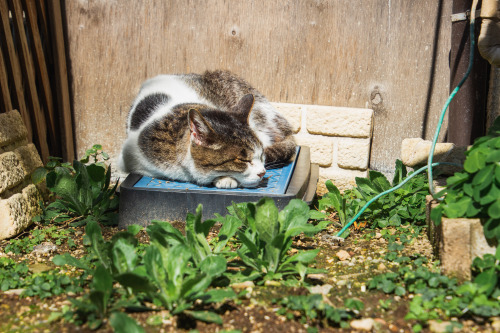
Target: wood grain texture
[
  {"x": 390, "y": 55},
  {"x": 55, "y": 17},
  {"x": 14, "y": 67}
]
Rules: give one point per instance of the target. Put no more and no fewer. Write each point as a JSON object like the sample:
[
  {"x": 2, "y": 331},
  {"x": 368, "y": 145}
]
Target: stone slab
[
  {"x": 339, "y": 121},
  {"x": 457, "y": 242},
  {"x": 321, "y": 148},
  {"x": 12, "y": 128},
  {"x": 353, "y": 153},
  {"x": 16, "y": 212}
]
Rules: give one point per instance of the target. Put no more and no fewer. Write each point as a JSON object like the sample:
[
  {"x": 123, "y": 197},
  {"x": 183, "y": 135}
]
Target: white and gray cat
[{"x": 207, "y": 129}]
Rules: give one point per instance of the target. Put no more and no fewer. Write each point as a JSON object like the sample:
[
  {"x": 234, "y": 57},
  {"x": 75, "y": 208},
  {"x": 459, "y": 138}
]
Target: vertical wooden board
[
  {"x": 344, "y": 53},
  {"x": 13, "y": 66},
  {"x": 29, "y": 78},
  {"x": 54, "y": 14},
  {"x": 4, "y": 86}
]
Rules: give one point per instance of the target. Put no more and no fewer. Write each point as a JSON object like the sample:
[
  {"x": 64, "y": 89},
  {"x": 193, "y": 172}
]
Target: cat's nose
[{"x": 262, "y": 173}]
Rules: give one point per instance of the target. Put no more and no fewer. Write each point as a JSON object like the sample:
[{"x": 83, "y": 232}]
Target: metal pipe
[
  {"x": 467, "y": 113},
  {"x": 489, "y": 38}
]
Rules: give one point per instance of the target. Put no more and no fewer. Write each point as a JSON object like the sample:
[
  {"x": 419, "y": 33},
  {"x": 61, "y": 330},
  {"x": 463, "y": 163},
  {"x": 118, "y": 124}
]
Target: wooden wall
[{"x": 389, "y": 55}]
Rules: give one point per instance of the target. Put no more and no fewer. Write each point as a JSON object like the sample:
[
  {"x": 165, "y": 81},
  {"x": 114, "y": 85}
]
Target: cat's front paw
[{"x": 225, "y": 182}]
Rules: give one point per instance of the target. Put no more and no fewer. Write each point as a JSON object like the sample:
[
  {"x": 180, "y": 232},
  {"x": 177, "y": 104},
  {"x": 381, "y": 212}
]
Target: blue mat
[{"x": 274, "y": 182}]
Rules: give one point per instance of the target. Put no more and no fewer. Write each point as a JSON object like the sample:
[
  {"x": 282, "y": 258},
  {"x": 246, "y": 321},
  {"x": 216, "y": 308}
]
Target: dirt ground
[{"x": 346, "y": 278}]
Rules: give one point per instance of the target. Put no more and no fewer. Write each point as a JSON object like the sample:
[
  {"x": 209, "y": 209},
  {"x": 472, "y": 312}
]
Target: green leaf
[
  {"x": 230, "y": 225},
  {"x": 399, "y": 174},
  {"x": 213, "y": 265},
  {"x": 487, "y": 281},
  {"x": 303, "y": 257},
  {"x": 122, "y": 323},
  {"x": 475, "y": 160},
  {"x": 379, "y": 181},
  {"x": 135, "y": 281},
  {"x": 39, "y": 175},
  {"x": 266, "y": 219},
  {"x": 67, "y": 259},
  {"x": 494, "y": 209},
  {"x": 134, "y": 229},
  {"x": 206, "y": 316},
  {"x": 218, "y": 295}
]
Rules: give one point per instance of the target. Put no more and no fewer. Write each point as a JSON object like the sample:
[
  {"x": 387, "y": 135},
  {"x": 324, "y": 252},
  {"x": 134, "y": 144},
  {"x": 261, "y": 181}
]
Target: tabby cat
[{"x": 206, "y": 129}]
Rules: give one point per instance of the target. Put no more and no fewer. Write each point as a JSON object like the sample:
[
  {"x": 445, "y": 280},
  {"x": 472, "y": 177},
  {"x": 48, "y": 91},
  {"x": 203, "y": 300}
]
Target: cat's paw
[{"x": 225, "y": 182}]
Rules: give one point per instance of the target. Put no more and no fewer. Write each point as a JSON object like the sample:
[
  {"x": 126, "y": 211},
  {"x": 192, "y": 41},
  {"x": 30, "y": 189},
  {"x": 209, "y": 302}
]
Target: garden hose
[
  {"x": 450, "y": 98},
  {"x": 438, "y": 129}
]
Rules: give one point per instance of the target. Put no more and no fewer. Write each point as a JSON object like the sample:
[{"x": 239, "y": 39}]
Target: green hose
[
  {"x": 438, "y": 129},
  {"x": 443, "y": 112}
]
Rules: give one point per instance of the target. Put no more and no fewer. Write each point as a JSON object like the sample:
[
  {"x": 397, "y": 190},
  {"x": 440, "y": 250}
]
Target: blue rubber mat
[{"x": 274, "y": 182}]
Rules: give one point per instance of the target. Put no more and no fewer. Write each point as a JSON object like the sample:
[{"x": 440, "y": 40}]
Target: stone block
[
  {"x": 457, "y": 242},
  {"x": 337, "y": 121},
  {"x": 16, "y": 212},
  {"x": 29, "y": 158},
  {"x": 342, "y": 178},
  {"x": 455, "y": 248},
  {"x": 353, "y": 153},
  {"x": 292, "y": 113},
  {"x": 321, "y": 148},
  {"x": 12, "y": 128},
  {"x": 11, "y": 173},
  {"x": 415, "y": 153},
  {"x": 480, "y": 245}
]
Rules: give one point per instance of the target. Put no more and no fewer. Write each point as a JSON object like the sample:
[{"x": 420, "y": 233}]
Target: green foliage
[
  {"x": 475, "y": 192},
  {"x": 82, "y": 191},
  {"x": 268, "y": 234},
  {"x": 46, "y": 284},
  {"x": 172, "y": 271},
  {"x": 438, "y": 296},
  {"x": 313, "y": 310},
  {"x": 404, "y": 205},
  {"x": 37, "y": 236}
]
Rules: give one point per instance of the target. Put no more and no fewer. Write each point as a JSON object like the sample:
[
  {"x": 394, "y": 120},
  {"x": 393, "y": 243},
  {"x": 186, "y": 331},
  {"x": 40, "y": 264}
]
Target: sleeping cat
[{"x": 206, "y": 129}]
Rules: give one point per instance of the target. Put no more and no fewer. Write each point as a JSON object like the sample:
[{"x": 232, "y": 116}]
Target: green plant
[
  {"x": 314, "y": 310},
  {"x": 82, "y": 191},
  {"x": 37, "y": 236},
  {"x": 164, "y": 272},
  {"x": 475, "y": 192},
  {"x": 405, "y": 205},
  {"x": 45, "y": 284},
  {"x": 268, "y": 235}
]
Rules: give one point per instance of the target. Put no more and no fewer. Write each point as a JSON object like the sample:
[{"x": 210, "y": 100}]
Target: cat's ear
[
  {"x": 201, "y": 132},
  {"x": 243, "y": 108}
]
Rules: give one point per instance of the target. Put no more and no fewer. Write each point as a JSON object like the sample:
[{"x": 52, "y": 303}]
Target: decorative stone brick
[
  {"x": 29, "y": 158},
  {"x": 415, "y": 153},
  {"x": 12, "y": 129},
  {"x": 337, "y": 121},
  {"x": 342, "y": 178},
  {"x": 18, "y": 159},
  {"x": 11, "y": 173},
  {"x": 16, "y": 212},
  {"x": 292, "y": 113},
  {"x": 353, "y": 153},
  {"x": 321, "y": 148},
  {"x": 455, "y": 248}
]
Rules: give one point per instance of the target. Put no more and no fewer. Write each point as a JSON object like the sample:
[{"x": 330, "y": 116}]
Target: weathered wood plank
[
  {"x": 390, "y": 55},
  {"x": 61, "y": 78},
  {"x": 41, "y": 67},
  {"x": 14, "y": 67},
  {"x": 4, "y": 86},
  {"x": 29, "y": 76}
]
